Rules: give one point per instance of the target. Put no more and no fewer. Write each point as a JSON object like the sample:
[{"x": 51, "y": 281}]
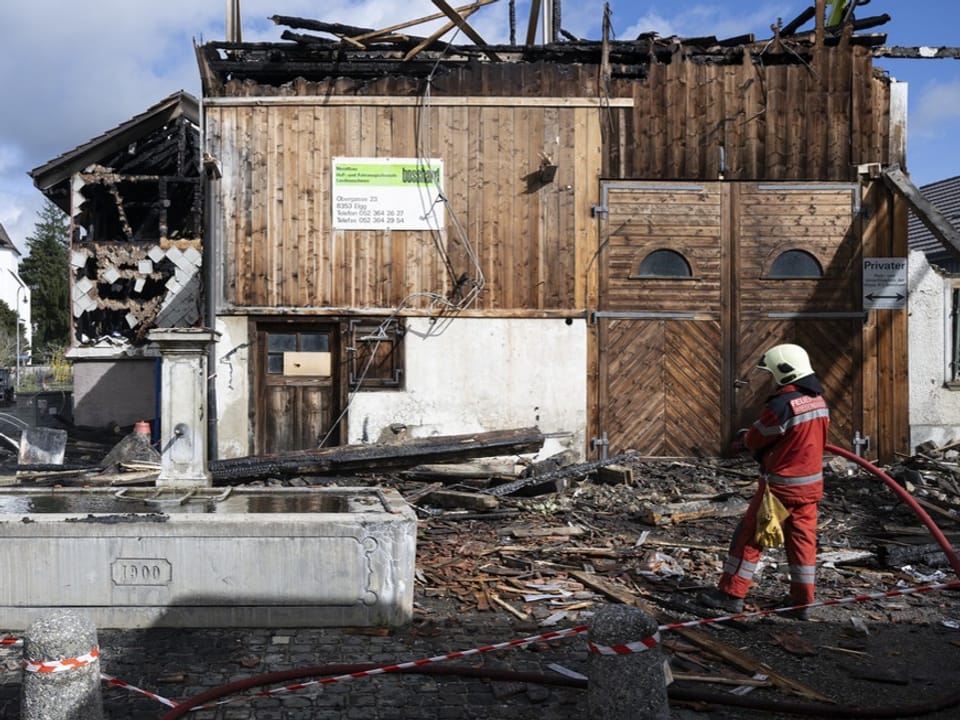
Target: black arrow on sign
[{"x": 898, "y": 296}]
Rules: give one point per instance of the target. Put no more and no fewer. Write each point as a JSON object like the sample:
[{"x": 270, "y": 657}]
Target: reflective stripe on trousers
[
  {"x": 740, "y": 567},
  {"x": 803, "y": 574}
]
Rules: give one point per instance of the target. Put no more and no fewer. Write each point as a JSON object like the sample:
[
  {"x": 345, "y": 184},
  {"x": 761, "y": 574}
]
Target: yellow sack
[{"x": 772, "y": 512}]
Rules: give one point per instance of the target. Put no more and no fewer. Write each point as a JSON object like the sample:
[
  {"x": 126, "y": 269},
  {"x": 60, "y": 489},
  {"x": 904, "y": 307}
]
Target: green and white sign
[{"x": 387, "y": 193}]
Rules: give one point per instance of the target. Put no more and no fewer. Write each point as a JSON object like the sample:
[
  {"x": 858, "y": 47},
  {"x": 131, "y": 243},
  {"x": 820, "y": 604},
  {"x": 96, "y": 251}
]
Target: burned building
[
  {"x": 610, "y": 235},
  {"x": 134, "y": 196},
  {"x": 400, "y": 236}
]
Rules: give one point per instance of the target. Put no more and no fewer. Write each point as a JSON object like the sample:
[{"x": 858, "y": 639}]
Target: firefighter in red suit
[{"x": 788, "y": 440}]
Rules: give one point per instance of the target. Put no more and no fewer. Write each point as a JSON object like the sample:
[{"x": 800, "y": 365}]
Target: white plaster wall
[
  {"x": 476, "y": 375},
  {"x": 9, "y": 275},
  {"x": 233, "y": 388},
  {"x": 934, "y": 409}
]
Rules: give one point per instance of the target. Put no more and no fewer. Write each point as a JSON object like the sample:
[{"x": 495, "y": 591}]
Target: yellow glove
[{"x": 771, "y": 514}]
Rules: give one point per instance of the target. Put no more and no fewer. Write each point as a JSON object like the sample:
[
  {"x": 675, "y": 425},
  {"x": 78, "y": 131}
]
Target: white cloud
[
  {"x": 10, "y": 157},
  {"x": 936, "y": 110},
  {"x": 18, "y": 215},
  {"x": 687, "y": 19}
]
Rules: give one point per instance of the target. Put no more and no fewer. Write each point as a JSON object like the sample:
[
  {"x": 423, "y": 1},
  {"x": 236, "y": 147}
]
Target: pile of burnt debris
[
  {"x": 660, "y": 520},
  {"x": 659, "y": 528},
  {"x": 543, "y": 545}
]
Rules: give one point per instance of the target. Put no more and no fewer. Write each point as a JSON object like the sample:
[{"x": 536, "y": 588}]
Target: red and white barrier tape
[
  {"x": 55, "y": 666},
  {"x": 553, "y": 635},
  {"x": 110, "y": 680},
  {"x": 11, "y": 642},
  {"x": 626, "y": 649}
]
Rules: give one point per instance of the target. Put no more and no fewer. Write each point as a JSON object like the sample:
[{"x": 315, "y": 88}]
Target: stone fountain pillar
[{"x": 183, "y": 406}]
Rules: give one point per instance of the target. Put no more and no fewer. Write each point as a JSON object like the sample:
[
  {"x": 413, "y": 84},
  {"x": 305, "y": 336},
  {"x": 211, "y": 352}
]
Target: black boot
[
  {"x": 719, "y": 600},
  {"x": 802, "y": 614}
]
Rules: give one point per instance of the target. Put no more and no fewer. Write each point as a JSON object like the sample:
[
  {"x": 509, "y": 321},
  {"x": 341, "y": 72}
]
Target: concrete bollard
[
  {"x": 61, "y": 676},
  {"x": 626, "y": 677}
]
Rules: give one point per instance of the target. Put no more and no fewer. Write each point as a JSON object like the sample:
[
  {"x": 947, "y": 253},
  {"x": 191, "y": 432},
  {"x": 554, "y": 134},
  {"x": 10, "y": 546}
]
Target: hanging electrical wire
[{"x": 466, "y": 286}]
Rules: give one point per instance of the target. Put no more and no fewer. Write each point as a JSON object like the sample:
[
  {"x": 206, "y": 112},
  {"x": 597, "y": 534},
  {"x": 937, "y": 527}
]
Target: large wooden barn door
[
  {"x": 798, "y": 279},
  {"x": 696, "y": 280},
  {"x": 297, "y": 386},
  {"x": 659, "y": 319}
]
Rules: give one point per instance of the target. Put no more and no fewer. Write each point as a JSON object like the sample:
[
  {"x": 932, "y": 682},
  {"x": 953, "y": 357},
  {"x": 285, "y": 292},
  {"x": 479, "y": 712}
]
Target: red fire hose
[{"x": 938, "y": 535}]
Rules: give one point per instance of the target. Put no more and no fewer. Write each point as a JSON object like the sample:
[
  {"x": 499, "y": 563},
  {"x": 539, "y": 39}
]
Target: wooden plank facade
[{"x": 729, "y": 158}]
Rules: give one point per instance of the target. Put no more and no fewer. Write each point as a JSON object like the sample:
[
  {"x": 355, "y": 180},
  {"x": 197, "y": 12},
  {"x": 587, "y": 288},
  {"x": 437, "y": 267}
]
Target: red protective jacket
[{"x": 788, "y": 439}]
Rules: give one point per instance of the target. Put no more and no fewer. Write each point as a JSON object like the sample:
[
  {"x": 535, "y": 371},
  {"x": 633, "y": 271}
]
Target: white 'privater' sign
[{"x": 884, "y": 283}]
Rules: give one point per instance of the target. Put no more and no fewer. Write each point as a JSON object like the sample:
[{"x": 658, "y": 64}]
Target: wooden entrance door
[
  {"x": 297, "y": 386},
  {"x": 696, "y": 281}
]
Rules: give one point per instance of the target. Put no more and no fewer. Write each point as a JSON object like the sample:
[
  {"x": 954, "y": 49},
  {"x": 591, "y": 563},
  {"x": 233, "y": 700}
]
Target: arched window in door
[
  {"x": 664, "y": 264},
  {"x": 793, "y": 264}
]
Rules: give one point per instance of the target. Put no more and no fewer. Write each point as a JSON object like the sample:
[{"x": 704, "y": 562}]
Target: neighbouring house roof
[
  {"x": 53, "y": 177},
  {"x": 945, "y": 196},
  {"x": 5, "y": 242}
]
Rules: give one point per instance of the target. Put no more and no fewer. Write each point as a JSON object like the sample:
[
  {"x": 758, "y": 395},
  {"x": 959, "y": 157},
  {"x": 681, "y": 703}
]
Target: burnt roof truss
[{"x": 150, "y": 190}]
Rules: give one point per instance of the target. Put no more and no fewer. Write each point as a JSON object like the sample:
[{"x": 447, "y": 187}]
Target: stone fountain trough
[
  {"x": 151, "y": 557},
  {"x": 186, "y": 554}
]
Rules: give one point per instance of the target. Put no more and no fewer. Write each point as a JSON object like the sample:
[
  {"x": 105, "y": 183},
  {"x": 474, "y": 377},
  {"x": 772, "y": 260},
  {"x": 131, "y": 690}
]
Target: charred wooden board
[
  {"x": 678, "y": 512},
  {"x": 353, "y": 458}
]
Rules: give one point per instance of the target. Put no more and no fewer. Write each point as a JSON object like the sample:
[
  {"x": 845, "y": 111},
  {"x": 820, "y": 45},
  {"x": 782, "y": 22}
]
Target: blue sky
[{"x": 73, "y": 70}]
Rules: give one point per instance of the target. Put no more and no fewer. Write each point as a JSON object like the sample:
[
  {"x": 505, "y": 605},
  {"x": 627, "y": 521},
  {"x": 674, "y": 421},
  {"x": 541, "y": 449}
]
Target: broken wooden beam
[
  {"x": 367, "y": 457},
  {"x": 459, "y": 499},
  {"x": 42, "y": 471},
  {"x": 929, "y": 214},
  {"x": 467, "y": 29},
  {"x": 436, "y": 35},
  {"x": 678, "y": 512},
  {"x": 610, "y": 590},
  {"x": 508, "y": 607},
  {"x": 415, "y": 496},
  {"x": 615, "y": 475},
  {"x": 417, "y": 21},
  {"x": 460, "y": 472},
  {"x": 320, "y": 26},
  {"x": 543, "y": 469},
  {"x": 738, "y": 659},
  {"x": 798, "y": 22},
  {"x": 929, "y": 554},
  {"x": 578, "y": 470},
  {"x": 548, "y": 531}
]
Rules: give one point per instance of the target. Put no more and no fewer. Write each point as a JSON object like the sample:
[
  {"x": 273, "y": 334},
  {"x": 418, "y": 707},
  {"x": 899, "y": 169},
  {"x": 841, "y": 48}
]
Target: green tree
[
  {"x": 8, "y": 338},
  {"x": 46, "y": 271}
]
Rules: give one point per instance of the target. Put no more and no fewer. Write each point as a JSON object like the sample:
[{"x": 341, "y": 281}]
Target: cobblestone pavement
[
  {"x": 180, "y": 663},
  {"x": 900, "y": 663}
]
